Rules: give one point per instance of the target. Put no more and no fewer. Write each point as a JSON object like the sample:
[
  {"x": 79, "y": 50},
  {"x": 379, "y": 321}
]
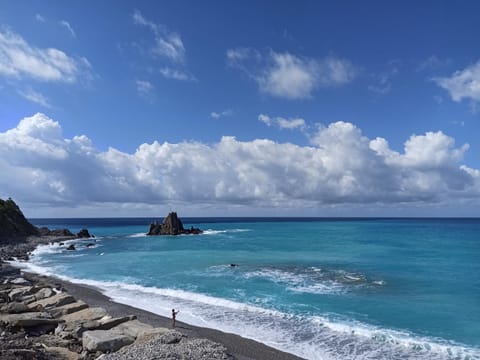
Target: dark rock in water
[
  {"x": 12, "y": 221},
  {"x": 233, "y": 265},
  {"x": 171, "y": 225},
  {"x": 89, "y": 245},
  {"x": 60, "y": 232},
  {"x": 71, "y": 247},
  {"x": 83, "y": 234}
]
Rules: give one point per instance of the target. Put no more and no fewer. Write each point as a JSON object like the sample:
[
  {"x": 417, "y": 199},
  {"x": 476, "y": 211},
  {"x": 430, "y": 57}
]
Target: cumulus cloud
[
  {"x": 290, "y": 76},
  {"x": 39, "y": 18},
  {"x": 167, "y": 44},
  {"x": 35, "y": 97},
  {"x": 463, "y": 84},
  {"x": 65, "y": 24},
  {"x": 175, "y": 74},
  {"x": 218, "y": 115},
  {"x": 282, "y": 123},
  {"x": 144, "y": 87},
  {"x": 342, "y": 166},
  {"x": 19, "y": 59}
]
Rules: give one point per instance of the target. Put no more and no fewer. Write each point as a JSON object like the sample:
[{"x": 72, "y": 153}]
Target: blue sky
[{"x": 232, "y": 108}]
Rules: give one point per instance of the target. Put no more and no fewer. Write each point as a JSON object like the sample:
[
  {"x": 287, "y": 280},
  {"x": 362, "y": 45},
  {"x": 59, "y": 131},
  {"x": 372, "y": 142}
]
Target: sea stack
[{"x": 172, "y": 225}]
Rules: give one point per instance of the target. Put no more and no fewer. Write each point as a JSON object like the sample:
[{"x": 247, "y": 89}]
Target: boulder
[
  {"x": 137, "y": 329},
  {"x": 63, "y": 352},
  {"x": 16, "y": 294},
  {"x": 85, "y": 315},
  {"x": 44, "y": 293},
  {"x": 171, "y": 225},
  {"x": 71, "y": 247},
  {"x": 28, "y": 319},
  {"x": 14, "y": 308},
  {"x": 83, "y": 234},
  {"x": 54, "y": 301},
  {"x": 68, "y": 308},
  {"x": 105, "y": 340},
  {"x": 20, "y": 281}
]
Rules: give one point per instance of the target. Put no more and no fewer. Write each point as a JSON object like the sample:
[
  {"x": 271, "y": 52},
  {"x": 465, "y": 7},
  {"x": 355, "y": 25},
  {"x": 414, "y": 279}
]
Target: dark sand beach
[{"x": 241, "y": 348}]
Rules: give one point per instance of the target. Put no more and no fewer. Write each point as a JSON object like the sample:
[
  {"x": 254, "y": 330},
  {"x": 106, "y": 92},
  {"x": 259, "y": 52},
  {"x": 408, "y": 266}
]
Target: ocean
[{"x": 317, "y": 288}]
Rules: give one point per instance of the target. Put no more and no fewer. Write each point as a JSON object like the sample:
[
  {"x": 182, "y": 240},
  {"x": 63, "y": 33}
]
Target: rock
[
  {"x": 108, "y": 323},
  {"x": 20, "y": 281},
  {"x": 13, "y": 223},
  {"x": 71, "y": 247},
  {"x": 171, "y": 337},
  {"x": 89, "y": 245},
  {"x": 54, "y": 301},
  {"x": 68, "y": 309},
  {"x": 28, "y": 319},
  {"x": 105, "y": 340},
  {"x": 83, "y": 234},
  {"x": 61, "y": 232},
  {"x": 137, "y": 329},
  {"x": 17, "y": 293},
  {"x": 44, "y": 231},
  {"x": 44, "y": 293},
  {"x": 171, "y": 225},
  {"x": 64, "y": 353},
  {"x": 85, "y": 315},
  {"x": 14, "y": 308}
]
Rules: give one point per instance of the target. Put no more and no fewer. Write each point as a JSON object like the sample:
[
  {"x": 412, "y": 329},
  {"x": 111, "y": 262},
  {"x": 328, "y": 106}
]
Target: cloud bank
[{"x": 341, "y": 166}]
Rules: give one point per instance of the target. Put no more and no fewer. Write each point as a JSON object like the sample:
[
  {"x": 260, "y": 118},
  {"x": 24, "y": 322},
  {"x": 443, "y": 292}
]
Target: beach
[{"x": 236, "y": 346}]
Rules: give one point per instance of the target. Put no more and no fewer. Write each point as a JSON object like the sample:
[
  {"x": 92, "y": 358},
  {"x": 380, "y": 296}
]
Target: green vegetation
[{"x": 12, "y": 221}]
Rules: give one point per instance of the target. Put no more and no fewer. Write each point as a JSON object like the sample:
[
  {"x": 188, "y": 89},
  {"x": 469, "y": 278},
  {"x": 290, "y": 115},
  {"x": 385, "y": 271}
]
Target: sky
[{"x": 240, "y": 108}]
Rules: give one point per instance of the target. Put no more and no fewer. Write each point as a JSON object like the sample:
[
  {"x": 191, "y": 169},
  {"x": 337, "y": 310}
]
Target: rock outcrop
[
  {"x": 84, "y": 234},
  {"x": 13, "y": 223},
  {"x": 172, "y": 225}
]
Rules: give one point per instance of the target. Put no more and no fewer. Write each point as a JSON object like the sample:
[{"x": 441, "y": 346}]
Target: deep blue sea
[{"x": 318, "y": 288}]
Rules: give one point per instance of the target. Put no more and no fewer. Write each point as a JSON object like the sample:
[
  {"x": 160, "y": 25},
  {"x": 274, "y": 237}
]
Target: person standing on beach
[{"x": 174, "y": 317}]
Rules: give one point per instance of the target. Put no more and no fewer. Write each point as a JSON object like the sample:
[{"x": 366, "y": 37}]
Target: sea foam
[{"x": 311, "y": 337}]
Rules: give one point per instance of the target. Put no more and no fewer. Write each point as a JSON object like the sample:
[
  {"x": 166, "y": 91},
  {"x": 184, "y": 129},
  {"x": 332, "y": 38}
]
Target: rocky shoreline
[{"x": 47, "y": 318}]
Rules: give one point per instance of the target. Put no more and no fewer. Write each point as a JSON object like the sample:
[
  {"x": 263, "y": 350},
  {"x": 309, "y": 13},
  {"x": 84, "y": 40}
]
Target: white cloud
[
  {"x": 342, "y": 166},
  {"x": 167, "y": 44},
  {"x": 68, "y": 27},
  {"x": 39, "y": 18},
  {"x": 18, "y": 59},
  {"x": 463, "y": 84},
  {"x": 174, "y": 74},
  {"x": 282, "y": 123},
  {"x": 218, "y": 115},
  {"x": 144, "y": 87},
  {"x": 35, "y": 97},
  {"x": 290, "y": 76}
]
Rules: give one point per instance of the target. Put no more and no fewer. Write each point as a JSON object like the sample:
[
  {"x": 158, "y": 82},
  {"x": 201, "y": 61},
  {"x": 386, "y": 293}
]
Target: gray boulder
[{"x": 105, "y": 340}]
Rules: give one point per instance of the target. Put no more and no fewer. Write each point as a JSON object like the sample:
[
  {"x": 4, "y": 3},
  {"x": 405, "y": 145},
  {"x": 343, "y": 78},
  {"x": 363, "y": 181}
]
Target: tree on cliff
[{"x": 12, "y": 221}]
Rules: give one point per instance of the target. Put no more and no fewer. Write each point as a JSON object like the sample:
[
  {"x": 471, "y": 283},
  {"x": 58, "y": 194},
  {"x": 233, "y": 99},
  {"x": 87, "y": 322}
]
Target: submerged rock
[
  {"x": 71, "y": 247},
  {"x": 172, "y": 225}
]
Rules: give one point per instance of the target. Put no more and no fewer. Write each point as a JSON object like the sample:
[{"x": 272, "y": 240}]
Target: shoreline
[{"x": 240, "y": 347}]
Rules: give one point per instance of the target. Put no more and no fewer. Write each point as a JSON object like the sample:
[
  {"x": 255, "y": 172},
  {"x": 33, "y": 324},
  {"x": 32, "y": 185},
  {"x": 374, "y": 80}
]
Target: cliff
[{"x": 13, "y": 223}]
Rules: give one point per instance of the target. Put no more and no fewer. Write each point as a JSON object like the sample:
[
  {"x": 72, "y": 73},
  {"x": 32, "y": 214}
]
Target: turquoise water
[{"x": 321, "y": 289}]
